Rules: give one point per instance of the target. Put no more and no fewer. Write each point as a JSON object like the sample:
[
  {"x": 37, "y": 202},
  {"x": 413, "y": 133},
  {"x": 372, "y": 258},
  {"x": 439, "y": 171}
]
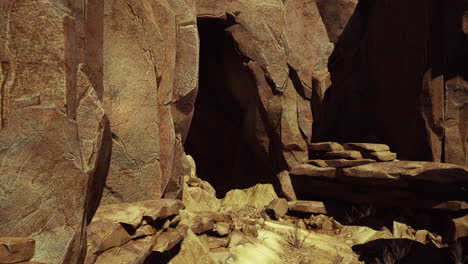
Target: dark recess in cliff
[
  {"x": 389, "y": 71},
  {"x": 221, "y": 138}
]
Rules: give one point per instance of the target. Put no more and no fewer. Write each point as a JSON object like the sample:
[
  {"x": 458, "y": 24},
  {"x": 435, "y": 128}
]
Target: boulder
[
  {"x": 259, "y": 196},
  {"x": 278, "y": 208},
  {"x": 133, "y": 252},
  {"x": 198, "y": 199},
  {"x": 200, "y": 222},
  {"x": 16, "y": 249},
  {"x": 104, "y": 235},
  {"x": 192, "y": 250},
  {"x": 114, "y": 225},
  {"x": 322, "y": 222}
]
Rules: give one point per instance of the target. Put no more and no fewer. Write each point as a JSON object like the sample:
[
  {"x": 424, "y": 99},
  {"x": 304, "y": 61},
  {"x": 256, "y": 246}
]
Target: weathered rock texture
[
  {"x": 97, "y": 99},
  {"x": 257, "y": 64},
  {"x": 100, "y": 100},
  {"x": 413, "y": 184}
]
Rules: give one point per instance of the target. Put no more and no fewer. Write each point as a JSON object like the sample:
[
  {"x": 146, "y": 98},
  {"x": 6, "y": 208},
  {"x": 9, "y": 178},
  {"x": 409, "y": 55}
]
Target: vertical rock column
[
  {"x": 52, "y": 126},
  {"x": 132, "y": 68}
]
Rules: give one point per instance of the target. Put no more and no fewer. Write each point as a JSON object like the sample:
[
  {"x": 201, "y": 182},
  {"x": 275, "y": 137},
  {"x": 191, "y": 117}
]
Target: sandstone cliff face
[
  {"x": 101, "y": 100},
  {"x": 97, "y": 99}
]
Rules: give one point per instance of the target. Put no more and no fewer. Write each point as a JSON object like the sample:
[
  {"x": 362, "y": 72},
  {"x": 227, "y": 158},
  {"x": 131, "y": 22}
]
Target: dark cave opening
[{"x": 222, "y": 137}]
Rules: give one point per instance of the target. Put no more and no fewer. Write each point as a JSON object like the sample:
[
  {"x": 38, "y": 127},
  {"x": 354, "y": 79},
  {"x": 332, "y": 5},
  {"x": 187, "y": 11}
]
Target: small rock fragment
[
  {"x": 16, "y": 249},
  {"x": 222, "y": 228}
]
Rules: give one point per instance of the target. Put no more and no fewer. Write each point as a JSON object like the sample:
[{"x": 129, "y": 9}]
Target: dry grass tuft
[{"x": 295, "y": 238}]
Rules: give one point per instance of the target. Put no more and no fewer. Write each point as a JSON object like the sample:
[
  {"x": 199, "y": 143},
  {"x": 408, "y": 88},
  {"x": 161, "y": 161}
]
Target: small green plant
[
  {"x": 456, "y": 251},
  {"x": 295, "y": 238}
]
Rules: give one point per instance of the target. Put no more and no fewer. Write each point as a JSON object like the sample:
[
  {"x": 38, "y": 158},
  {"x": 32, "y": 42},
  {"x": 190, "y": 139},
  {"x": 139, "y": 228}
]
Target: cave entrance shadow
[
  {"x": 222, "y": 137},
  {"x": 407, "y": 251}
]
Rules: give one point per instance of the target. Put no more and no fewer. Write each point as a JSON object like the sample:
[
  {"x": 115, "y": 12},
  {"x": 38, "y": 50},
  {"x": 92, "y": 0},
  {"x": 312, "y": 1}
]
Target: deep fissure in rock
[{"x": 222, "y": 134}]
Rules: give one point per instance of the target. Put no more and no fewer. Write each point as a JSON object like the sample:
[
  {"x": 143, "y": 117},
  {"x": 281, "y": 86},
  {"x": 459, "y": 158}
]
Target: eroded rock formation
[{"x": 100, "y": 101}]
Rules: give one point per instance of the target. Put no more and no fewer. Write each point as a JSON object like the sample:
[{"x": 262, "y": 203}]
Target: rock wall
[
  {"x": 97, "y": 99},
  {"x": 394, "y": 76}
]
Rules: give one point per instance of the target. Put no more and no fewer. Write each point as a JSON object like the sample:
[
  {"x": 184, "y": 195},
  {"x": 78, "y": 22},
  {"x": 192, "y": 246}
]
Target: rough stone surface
[
  {"x": 381, "y": 155},
  {"x": 335, "y": 15},
  {"x": 456, "y": 117},
  {"x": 116, "y": 226},
  {"x": 34, "y": 162},
  {"x": 99, "y": 99},
  {"x": 340, "y": 163},
  {"x": 313, "y": 207},
  {"x": 133, "y": 252},
  {"x": 192, "y": 251},
  {"x": 133, "y": 214},
  {"x": 367, "y": 147},
  {"x": 16, "y": 249},
  {"x": 105, "y": 235},
  {"x": 279, "y": 207},
  {"x": 167, "y": 240},
  {"x": 460, "y": 225},
  {"x": 286, "y": 186},
  {"x": 259, "y": 196},
  {"x": 435, "y": 173},
  {"x": 344, "y": 154},
  {"x": 326, "y": 146},
  {"x": 310, "y": 170}
]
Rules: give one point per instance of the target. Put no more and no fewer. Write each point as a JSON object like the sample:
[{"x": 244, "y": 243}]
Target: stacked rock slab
[{"x": 429, "y": 185}]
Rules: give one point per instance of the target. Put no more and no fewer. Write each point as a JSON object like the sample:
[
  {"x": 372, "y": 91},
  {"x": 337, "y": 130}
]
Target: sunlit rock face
[
  {"x": 101, "y": 101},
  {"x": 231, "y": 81},
  {"x": 98, "y": 97}
]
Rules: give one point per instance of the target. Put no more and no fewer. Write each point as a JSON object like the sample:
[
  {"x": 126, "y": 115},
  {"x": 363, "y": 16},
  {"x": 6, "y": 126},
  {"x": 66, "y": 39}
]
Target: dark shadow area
[
  {"x": 222, "y": 137},
  {"x": 98, "y": 180},
  {"x": 164, "y": 257},
  {"x": 405, "y": 251},
  {"x": 386, "y": 71},
  {"x": 378, "y": 206}
]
